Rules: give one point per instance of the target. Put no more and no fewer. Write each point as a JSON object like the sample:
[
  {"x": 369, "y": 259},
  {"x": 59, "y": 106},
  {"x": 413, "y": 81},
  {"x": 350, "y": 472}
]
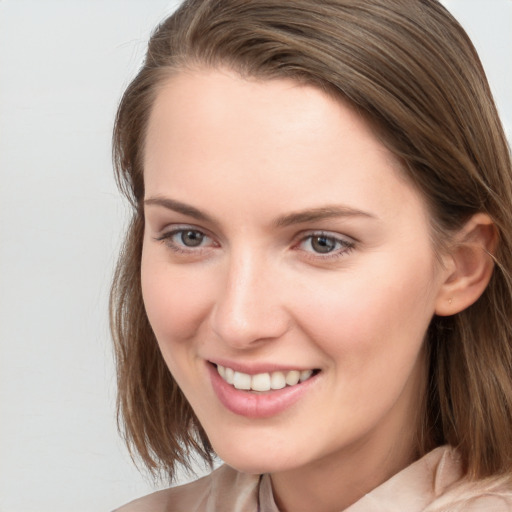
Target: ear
[{"x": 469, "y": 265}]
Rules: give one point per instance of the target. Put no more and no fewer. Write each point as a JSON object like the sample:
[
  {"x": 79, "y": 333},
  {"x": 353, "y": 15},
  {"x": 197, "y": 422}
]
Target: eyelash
[
  {"x": 167, "y": 239},
  {"x": 343, "y": 246}
]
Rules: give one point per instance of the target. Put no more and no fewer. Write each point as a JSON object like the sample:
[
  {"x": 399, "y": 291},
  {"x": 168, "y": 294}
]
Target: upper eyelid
[
  {"x": 172, "y": 229},
  {"x": 299, "y": 236},
  {"x": 161, "y": 226},
  {"x": 176, "y": 228},
  {"x": 219, "y": 232},
  {"x": 166, "y": 237},
  {"x": 347, "y": 245},
  {"x": 324, "y": 232}
]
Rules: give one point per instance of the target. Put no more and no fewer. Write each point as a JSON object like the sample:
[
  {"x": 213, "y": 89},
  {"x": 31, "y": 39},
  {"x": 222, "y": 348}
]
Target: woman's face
[{"x": 282, "y": 243}]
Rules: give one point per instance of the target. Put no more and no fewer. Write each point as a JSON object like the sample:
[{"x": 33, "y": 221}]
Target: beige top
[{"x": 432, "y": 484}]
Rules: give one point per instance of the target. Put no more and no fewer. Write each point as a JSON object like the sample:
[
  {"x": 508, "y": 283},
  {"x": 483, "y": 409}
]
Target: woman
[{"x": 316, "y": 282}]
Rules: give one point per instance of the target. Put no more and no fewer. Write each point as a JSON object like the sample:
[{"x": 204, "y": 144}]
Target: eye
[
  {"x": 186, "y": 239},
  {"x": 326, "y": 244},
  {"x": 190, "y": 237},
  {"x": 323, "y": 244}
]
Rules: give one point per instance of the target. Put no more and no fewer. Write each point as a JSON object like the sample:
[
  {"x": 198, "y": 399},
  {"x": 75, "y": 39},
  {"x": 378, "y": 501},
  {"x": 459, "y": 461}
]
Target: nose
[{"x": 250, "y": 309}]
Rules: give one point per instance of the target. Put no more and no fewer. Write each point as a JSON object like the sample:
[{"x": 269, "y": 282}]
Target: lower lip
[{"x": 257, "y": 405}]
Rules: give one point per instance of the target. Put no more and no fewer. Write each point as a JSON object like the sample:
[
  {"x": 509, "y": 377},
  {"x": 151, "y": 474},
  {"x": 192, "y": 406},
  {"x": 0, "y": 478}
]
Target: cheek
[
  {"x": 175, "y": 299},
  {"x": 382, "y": 308}
]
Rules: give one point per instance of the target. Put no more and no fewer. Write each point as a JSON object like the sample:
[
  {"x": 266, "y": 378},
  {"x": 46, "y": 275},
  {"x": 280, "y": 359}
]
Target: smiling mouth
[{"x": 264, "y": 381}]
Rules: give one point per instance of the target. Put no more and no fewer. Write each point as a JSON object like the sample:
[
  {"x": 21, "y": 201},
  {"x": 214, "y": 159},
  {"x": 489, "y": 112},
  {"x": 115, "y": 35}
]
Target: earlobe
[{"x": 470, "y": 265}]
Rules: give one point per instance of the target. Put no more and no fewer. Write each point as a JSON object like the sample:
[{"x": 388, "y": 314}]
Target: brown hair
[{"x": 411, "y": 70}]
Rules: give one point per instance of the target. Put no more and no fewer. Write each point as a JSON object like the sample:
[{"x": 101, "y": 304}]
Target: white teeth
[
  {"x": 242, "y": 381},
  {"x": 305, "y": 374},
  {"x": 229, "y": 375},
  {"x": 260, "y": 382},
  {"x": 263, "y": 381},
  {"x": 277, "y": 380},
  {"x": 292, "y": 377}
]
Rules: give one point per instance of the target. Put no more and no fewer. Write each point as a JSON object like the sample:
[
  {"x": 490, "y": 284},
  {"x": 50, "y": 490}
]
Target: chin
[
  {"x": 257, "y": 461},
  {"x": 254, "y": 467}
]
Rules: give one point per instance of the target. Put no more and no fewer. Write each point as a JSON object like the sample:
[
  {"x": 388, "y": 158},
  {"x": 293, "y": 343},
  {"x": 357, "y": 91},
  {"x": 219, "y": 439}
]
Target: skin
[{"x": 257, "y": 292}]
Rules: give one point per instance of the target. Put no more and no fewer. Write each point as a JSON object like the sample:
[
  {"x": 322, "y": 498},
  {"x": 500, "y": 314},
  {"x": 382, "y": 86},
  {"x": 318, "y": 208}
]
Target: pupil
[
  {"x": 192, "y": 238},
  {"x": 323, "y": 244}
]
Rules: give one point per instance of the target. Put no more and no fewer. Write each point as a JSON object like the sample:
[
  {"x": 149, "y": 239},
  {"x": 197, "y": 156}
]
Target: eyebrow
[
  {"x": 316, "y": 214},
  {"x": 309, "y": 215},
  {"x": 179, "y": 207}
]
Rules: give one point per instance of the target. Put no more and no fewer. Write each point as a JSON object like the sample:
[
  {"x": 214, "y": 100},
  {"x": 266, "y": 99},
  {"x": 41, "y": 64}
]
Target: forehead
[
  {"x": 211, "y": 101},
  {"x": 272, "y": 139}
]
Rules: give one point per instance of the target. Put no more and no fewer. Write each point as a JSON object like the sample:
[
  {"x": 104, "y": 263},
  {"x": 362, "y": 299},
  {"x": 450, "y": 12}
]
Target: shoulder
[
  {"x": 455, "y": 492},
  {"x": 492, "y": 494},
  {"x": 436, "y": 483},
  {"x": 223, "y": 489}
]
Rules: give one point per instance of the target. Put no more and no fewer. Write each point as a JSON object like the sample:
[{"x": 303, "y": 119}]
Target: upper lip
[{"x": 255, "y": 368}]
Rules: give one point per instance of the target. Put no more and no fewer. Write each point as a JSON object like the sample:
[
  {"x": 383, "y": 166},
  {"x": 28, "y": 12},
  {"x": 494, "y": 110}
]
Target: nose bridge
[{"x": 248, "y": 308}]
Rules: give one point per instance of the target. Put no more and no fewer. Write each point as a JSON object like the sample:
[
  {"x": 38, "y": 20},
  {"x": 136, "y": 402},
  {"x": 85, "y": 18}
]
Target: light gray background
[{"x": 63, "y": 67}]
